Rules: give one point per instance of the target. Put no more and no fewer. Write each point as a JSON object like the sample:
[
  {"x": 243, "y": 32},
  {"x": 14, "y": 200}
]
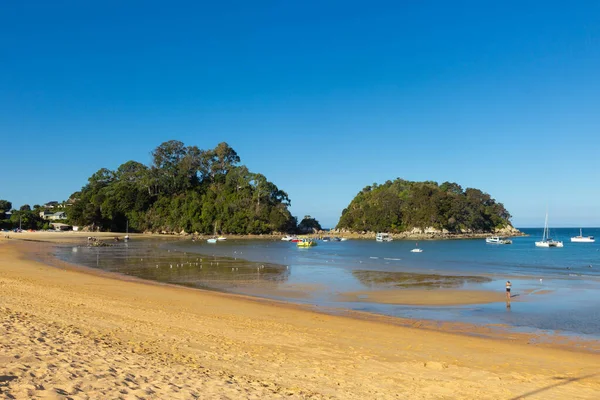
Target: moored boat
[
  {"x": 306, "y": 243},
  {"x": 416, "y": 249},
  {"x": 582, "y": 239},
  {"x": 383, "y": 237},
  {"x": 212, "y": 240},
  {"x": 497, "y": 240},
  {"x": 546, "y": 240}
]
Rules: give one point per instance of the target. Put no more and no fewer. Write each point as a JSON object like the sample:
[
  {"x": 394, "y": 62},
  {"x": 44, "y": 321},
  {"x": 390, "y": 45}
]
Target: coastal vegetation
[
  {"x": 25, "y": 217},
  {"x": 401, "y": 205},
  {"x": 183, "y": 189},
  {"x": 309, "y": 225}
]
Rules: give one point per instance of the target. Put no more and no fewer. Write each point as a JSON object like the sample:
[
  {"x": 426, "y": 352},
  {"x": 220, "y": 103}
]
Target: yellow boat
[{"x": 306, "y": 243}]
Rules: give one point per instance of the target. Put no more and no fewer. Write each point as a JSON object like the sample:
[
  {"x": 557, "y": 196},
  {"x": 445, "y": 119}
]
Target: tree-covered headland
[
  {"x": 184, "y": 189},
  {"x": 401, "y": 205}
]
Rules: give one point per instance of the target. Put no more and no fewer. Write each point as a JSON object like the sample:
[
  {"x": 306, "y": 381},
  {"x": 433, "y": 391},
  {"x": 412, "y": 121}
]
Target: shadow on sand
[{"x": 564, "y": 381}]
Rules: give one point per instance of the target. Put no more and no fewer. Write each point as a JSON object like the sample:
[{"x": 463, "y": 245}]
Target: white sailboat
[
  {"x": 416, "y": 249},
  {"x": 582, "y": 239},
  {"x": 546, "y": 240}
]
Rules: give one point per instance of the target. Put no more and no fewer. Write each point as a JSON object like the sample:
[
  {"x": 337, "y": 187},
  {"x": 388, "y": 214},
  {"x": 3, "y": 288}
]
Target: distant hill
[{"x": 400, "y": 206}]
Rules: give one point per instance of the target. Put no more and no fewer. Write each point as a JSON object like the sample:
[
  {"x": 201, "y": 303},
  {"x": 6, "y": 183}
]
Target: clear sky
[{"x": 322, "y": 97}]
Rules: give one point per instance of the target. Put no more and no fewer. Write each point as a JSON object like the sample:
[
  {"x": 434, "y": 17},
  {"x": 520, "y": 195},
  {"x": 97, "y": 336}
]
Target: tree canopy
[
  {"x": 402, "y": 205},
  {"x": 5, "y": 205},
  {"x": 309, "y": 225},
  {"x": 184, "y": 189}
]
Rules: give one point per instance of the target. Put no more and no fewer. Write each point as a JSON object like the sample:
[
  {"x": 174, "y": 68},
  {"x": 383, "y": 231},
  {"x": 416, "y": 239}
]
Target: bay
[{"x": 556, "y": 289}]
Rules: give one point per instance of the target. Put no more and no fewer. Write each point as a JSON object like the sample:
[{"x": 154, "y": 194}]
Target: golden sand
[{"x": 70, "y": 334}]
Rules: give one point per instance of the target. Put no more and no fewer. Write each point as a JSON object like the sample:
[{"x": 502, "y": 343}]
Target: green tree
[
  {"x": 309, "y": 225},
  {"x": 26, "y": 219},
  {"x": 185, "y": 188},
  {"x": 5, "y": 205},
  {"x": 402, "y": 205},
  {"x": 25, "y": 207}
]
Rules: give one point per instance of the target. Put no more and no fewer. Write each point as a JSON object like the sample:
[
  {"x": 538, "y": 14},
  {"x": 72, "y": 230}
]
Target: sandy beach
[{"x": 68, "y": 333}]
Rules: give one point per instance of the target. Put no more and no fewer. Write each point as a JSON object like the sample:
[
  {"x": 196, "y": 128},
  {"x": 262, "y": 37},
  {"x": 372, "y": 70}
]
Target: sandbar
[{"x": 435, "y": 297}]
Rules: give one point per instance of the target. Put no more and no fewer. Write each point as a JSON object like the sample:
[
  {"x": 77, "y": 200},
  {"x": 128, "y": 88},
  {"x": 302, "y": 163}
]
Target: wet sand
[
  {"x": 66, "y": 333},
  {"x": 434, "y": 297}
]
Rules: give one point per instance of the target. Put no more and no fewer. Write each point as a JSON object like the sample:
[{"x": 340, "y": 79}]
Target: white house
[
  {"x": 53, "y": 216},
  {"x": 46, "y": 214},
  {"x": 58, "y": 215}
]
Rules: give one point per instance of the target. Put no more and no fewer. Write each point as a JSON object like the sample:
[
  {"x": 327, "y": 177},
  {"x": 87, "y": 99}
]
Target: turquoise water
[{"x": 555, "y": 289}]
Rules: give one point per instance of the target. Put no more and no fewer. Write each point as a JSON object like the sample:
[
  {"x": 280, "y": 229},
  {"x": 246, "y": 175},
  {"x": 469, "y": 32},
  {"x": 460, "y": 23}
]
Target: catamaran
[
  {"x": 582, "y": 239},
  {"x": 546, "y": 240}
]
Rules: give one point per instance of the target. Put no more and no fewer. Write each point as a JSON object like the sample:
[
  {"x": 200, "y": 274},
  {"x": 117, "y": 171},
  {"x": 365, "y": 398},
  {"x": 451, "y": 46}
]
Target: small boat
[
  {"x": 211, "y": 240},
  {"x": 288, "y": 238},
  {"x": 497, "y": 240},
  {"x": 582, "y": 239},
  {"x": 326, "y": 239},
  {"x": 306, "y": 243},
  {"x": 383, "y": 237},
  {"x": 343, "y": 239},
  {"x": 221, "y": 238},
  {"x": 416, "y": 250},
  {"x": 546, "y": 240},
  {"x": 337, "y": 239}
]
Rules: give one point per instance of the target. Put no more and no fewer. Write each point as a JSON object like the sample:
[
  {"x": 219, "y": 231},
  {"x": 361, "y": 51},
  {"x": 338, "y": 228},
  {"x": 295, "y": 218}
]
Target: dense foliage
[
  {"x": 5, "y": 205},
  {"x": 184, "y": 189},
  {"x": 24, "y": 218},
  {"x": 309, "y": 225},
  {"x": 402, "y": 205}
]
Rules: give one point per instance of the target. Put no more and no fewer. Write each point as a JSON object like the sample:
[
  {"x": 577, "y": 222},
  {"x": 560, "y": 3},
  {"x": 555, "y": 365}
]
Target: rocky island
[{"x": 424, "y": 210}]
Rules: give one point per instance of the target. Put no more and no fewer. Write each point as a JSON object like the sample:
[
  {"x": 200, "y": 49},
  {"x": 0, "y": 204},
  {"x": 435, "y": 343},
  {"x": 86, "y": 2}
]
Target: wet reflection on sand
[{"x": 415, "y": 280}]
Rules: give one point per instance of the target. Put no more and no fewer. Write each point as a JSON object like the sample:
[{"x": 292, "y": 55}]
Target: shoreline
[
  {"x": 420, "y": 295},
  {"x": 406, "y": 297},
  {"x": 408, "y": 236},
  {"x": 157, "y": 341}
]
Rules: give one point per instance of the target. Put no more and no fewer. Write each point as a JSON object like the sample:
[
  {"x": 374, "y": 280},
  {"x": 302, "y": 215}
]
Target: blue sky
[{"x": 323, "y": 97}]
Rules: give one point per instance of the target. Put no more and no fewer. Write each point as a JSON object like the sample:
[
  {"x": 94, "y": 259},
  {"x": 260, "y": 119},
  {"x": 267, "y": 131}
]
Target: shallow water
[{"x": 566, "y": 299}]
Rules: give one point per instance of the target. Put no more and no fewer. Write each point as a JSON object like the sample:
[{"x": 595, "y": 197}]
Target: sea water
[{"x": 555, "y": 289}]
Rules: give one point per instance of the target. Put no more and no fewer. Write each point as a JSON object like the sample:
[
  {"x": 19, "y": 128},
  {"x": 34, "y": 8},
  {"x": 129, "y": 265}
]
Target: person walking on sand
[{"x": 508, "y": 286}]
